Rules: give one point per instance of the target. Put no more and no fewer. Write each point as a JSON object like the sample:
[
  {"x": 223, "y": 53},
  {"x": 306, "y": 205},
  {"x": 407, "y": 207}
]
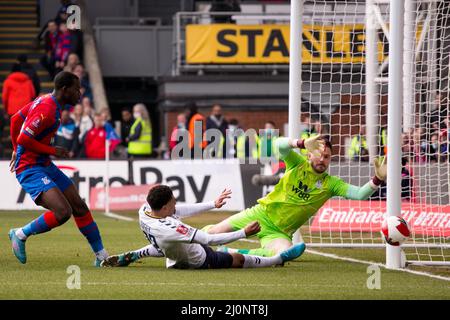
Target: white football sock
[
  {"x": 22, "y": 236},
  {"x": 256, "y": 262},
  {"x": 102, "y": 254},
  {"x": 148, "y": 251}
]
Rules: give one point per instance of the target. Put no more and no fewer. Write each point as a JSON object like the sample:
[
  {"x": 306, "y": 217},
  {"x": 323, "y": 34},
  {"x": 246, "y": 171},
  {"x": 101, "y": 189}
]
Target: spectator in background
[
  {"x": 358, "y": 148},
  {"x": 217, "y": 121},
  {"x": 61, "y": 15},
  {"x": 23, "y": 66},
  {"x": 224, "y": 6},
  {"x": 72, "y": 61},
  {"x": 94, "y": 141},
  {"x": 444, "y": 146},
  {"x": 174, "y": 139},
  {"x": 82, "y": 121},
  {"x": 18, "y": 90},
  {"x": 106, "y": 116},
  {"x": 109, "y": 126},
  {"x": 84, "y": 81},
  {"x": 88, "y": 109},
  {"x": 63, "y": 47},
  {"x": 312, "y": 128},
  {"x": 243, "y": 146},
  {"x": 67, "y": 134},
  {"x": 407, "y": 181},
  {"x": 420, "y": 145},
  {"x": 140, "y": 138},
  {"x": 125, "y": 125},
  {"x": 48, "y": 61},
  {"x": 407, "y": 144},
  {"x": 193, "y": 117},
  {"x": 440, "y": 111},
  {"x": 266, "y": 140},
  {"x": 434, "y": 148}
]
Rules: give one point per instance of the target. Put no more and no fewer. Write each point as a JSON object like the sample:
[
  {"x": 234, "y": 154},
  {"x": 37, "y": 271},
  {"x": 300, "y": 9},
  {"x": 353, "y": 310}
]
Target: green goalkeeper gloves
[
  {"x": 380, "y": 165},
  {"x": 315, "y": 145}
]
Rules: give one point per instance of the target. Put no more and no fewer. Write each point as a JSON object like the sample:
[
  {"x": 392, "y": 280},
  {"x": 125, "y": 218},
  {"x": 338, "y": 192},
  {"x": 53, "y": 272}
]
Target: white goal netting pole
[
  {"x": 295, "y": 78},
  {"x": 395, "y": 110}
]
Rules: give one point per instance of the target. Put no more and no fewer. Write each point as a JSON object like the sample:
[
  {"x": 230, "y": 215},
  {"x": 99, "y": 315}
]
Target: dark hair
[
  {"x": 159, "y": 196},
  {"x": 16, "y": 68},
  {"x": 22, "y": 58},
  {"x": 328, "y": 143},
  {"x": 234, "y": 122},
  {"x": 127, "y": 109},
  {"x": 64, "y": 79}
]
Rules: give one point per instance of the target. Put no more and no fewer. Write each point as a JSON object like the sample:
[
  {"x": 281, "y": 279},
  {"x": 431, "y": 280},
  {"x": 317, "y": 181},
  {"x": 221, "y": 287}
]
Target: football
[{"x": 395, "y": 230}]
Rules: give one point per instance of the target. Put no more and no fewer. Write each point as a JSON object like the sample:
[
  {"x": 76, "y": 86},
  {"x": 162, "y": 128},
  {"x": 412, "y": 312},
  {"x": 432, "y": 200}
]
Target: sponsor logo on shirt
[
  {"x": 45, "y": 180},
  {"x": 319, "y": 184},
  {"x": 302, "y": 191},
  {"x": 37, "y": 123},
  {"x": 29, "y": 131},
  {"x": 182, "y": 229}
]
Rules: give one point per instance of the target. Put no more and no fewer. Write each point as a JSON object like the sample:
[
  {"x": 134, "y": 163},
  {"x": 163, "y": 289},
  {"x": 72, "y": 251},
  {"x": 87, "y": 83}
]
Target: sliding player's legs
[
  {"x": 218, "y": 260},
  {"x": 273, "y": 240},
  {"x": 124, "y": 259}
]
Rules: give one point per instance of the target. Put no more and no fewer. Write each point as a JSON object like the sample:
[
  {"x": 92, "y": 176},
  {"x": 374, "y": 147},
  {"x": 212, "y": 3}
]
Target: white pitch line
[
  {"x": 419, "y": 273},
  {"x": 328, "y": 255},
  {"x": 177, "y": 284},
  {"x": 334, "y": 256},
  {"x": 118, "y": 216}
]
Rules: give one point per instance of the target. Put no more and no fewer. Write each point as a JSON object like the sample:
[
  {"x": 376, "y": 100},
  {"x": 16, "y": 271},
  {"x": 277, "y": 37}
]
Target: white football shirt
[{"x": 173, "y": 238}]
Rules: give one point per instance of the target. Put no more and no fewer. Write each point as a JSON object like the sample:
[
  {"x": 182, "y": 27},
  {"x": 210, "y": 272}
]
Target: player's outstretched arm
[
  {"x": 223, "y": 238},
  {"x": 188, "y": 210}
]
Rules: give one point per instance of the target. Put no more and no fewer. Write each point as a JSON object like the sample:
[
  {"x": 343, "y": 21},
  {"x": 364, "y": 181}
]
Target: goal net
[{"x": 345, "y": 60}]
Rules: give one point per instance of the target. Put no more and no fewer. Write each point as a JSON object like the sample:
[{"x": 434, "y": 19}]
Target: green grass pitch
[{"x": 310, "y": 277}]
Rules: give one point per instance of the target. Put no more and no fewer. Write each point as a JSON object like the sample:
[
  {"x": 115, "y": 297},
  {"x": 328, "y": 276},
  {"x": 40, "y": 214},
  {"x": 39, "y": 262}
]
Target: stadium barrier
[
  {"x": 367, "y": 216},
  {"x": 191, "y": 180}
]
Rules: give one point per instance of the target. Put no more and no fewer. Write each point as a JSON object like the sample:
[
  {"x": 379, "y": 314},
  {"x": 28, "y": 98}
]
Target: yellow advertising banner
[{"x": 267, "y": 44}]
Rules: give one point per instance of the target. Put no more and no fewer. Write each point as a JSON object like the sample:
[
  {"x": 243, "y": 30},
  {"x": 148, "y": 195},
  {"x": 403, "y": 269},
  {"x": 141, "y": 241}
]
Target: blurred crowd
[
  {"x": 428, "y": 143},
  {"x": 246, "y": 144}
]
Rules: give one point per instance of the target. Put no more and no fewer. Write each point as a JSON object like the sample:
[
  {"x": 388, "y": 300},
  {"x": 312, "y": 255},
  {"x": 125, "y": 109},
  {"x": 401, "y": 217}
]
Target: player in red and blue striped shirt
[{"x": 32, "y": 132}]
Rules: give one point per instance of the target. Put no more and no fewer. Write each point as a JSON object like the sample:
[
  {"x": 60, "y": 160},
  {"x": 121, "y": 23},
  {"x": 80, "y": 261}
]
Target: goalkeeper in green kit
[{"x": 299, "y": 194}]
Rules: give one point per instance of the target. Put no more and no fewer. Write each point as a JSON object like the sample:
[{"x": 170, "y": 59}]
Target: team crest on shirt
[
  {"x": 319, "y": 184},
  {"x": 45, "y": 180},
  {"x": 36, "y": 123},
  {"x": 182, "y": 229}
]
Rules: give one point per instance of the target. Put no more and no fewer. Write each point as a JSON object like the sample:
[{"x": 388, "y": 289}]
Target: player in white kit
[{"x": 186, "y": 247}]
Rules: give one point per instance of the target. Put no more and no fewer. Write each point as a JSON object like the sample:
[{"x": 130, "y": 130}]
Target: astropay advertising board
[
  {"x": 191, "y": 180},
  {"x": 84, "y": 174},
  {"x": 194, "y": 181}
]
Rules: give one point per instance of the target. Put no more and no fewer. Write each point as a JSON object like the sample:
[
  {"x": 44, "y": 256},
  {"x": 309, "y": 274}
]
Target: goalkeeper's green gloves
[
  {"x": 380, "y": 165},
  {"x": 314, "y": 144}
]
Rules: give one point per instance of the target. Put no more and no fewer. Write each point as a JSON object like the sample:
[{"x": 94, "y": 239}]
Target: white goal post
[{"x": 377, "y": 71}]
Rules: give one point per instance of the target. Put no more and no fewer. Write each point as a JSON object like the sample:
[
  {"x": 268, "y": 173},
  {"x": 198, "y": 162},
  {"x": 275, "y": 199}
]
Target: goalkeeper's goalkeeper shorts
[{"x": 269, "y": 231}]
